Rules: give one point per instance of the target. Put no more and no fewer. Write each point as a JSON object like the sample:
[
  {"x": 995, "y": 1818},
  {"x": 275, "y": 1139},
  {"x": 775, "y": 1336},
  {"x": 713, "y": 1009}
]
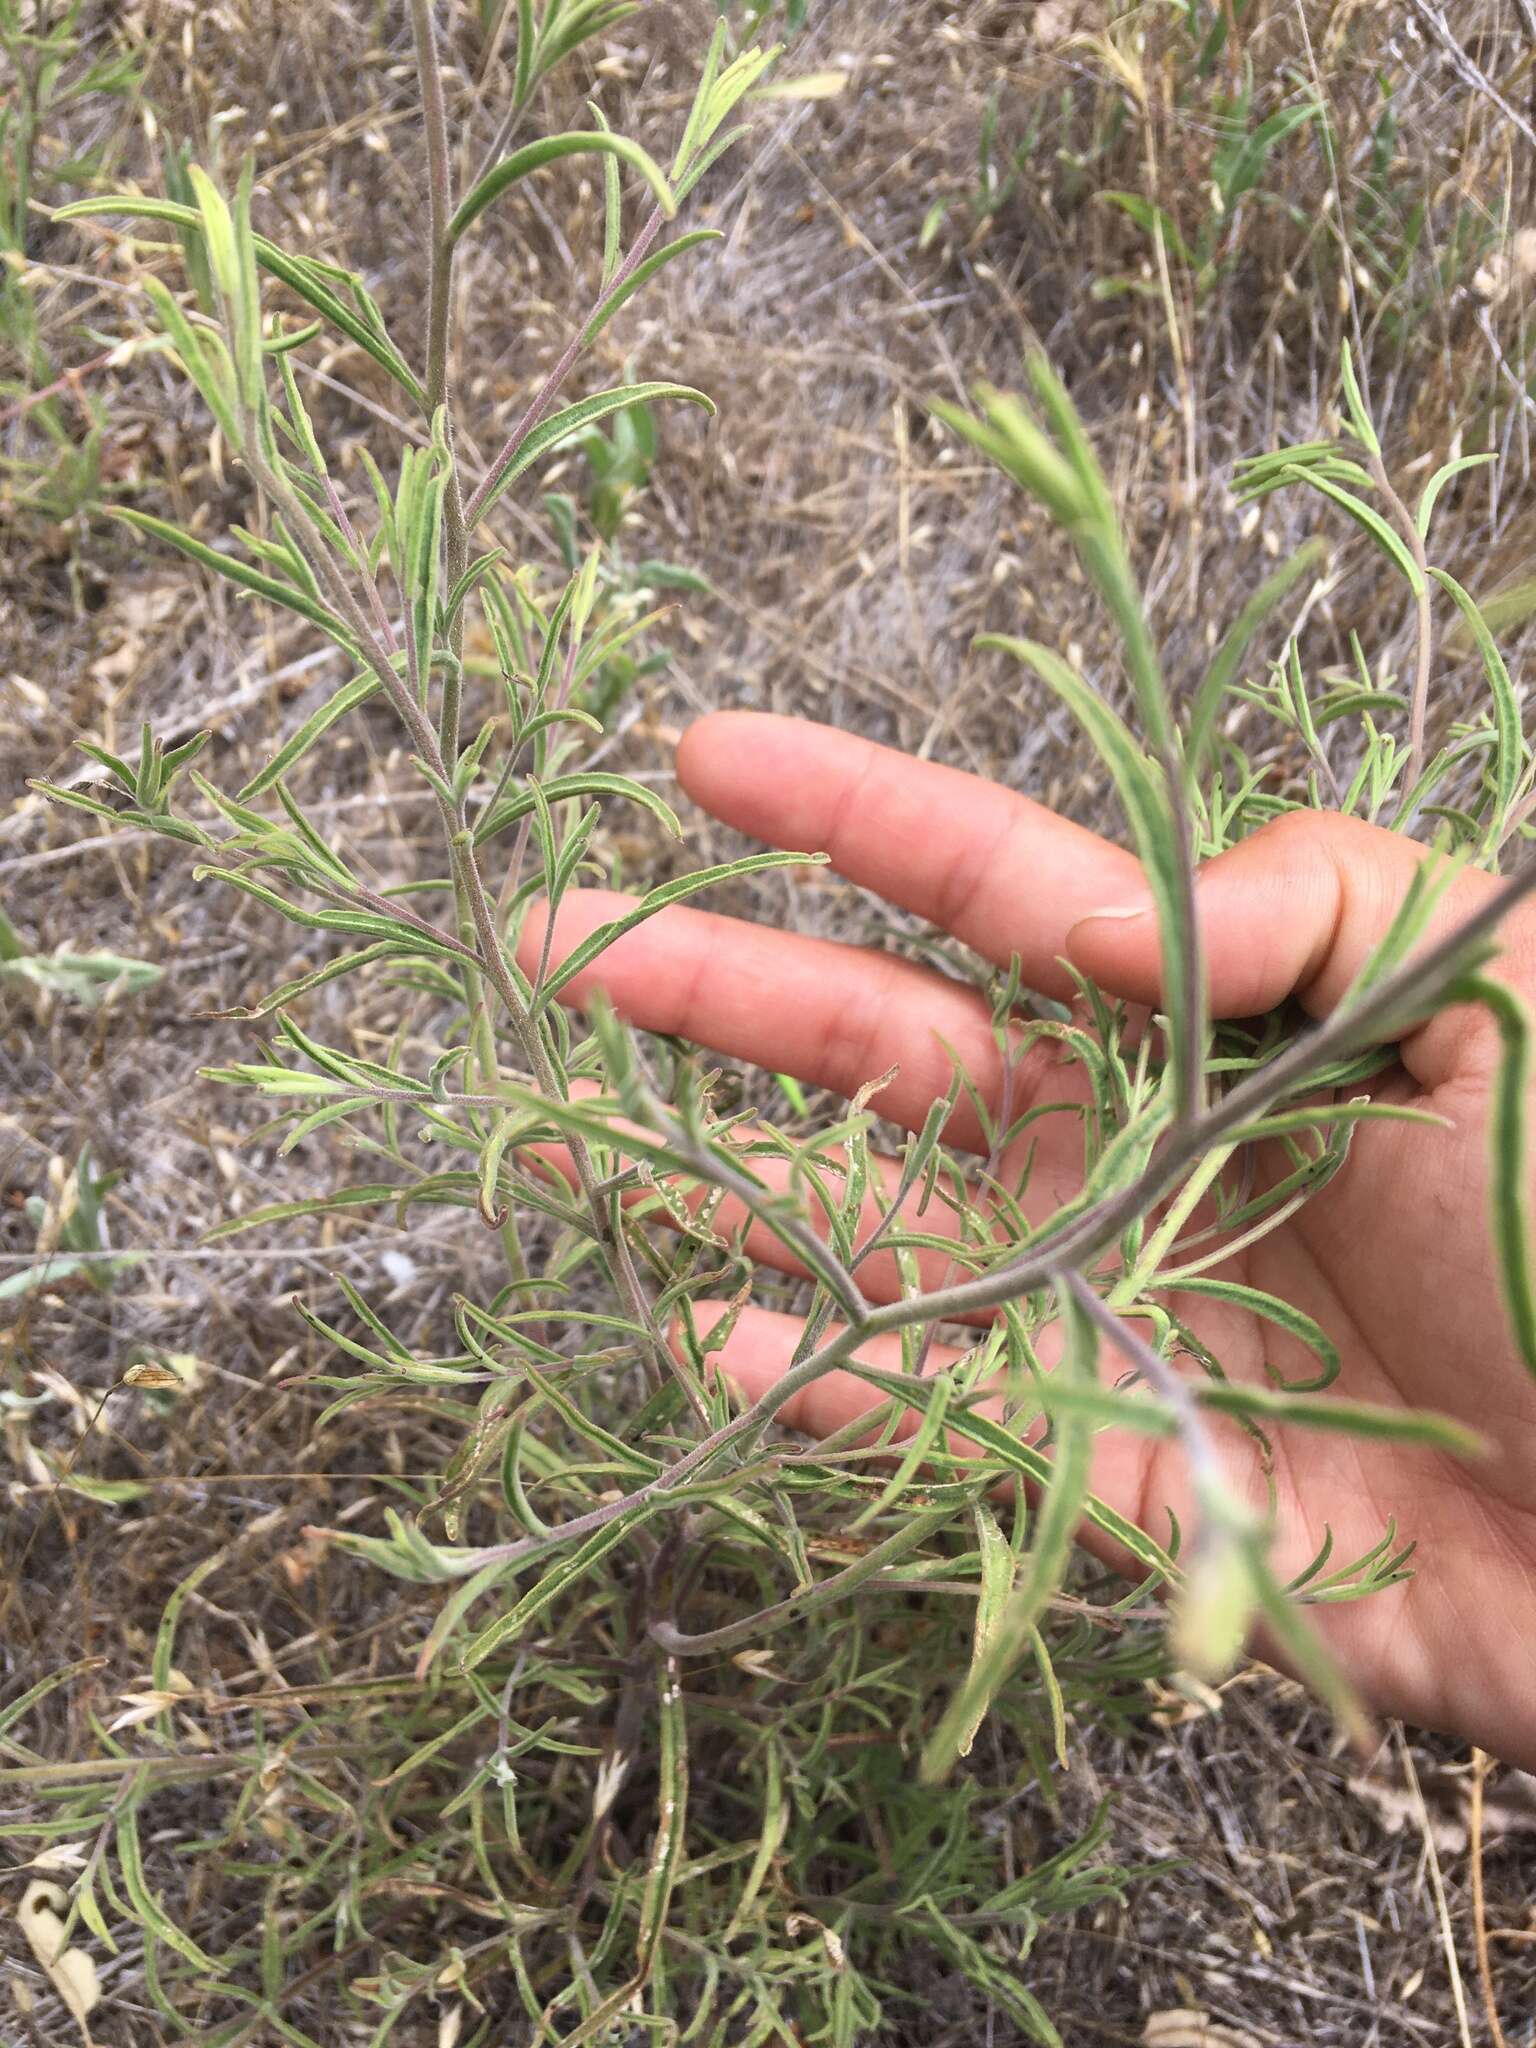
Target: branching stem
[
  {"x": 491, "y": 482},
  {"x": 1073, "y": 1248}
]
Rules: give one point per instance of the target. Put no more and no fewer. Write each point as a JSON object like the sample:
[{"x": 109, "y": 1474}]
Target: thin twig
[
  {"x": 439, "y": 311},
  {"x": 1413, "y": 540},
  {"x": 1073, "y": 1245},
  {"x": 1479, "y": 1903},
  {"x": 439, "y": 201},
  {"x": 1437, "y": 1886},
  {"x": 491, "y": 482}
]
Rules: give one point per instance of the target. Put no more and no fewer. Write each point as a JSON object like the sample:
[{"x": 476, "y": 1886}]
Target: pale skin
[{"x": 1394, "y": 1258}]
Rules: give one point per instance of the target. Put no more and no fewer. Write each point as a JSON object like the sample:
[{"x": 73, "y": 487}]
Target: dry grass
[{"x": 852, "y": 556}]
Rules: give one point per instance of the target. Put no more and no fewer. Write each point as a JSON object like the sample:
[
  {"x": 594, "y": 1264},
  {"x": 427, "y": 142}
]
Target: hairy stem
[
  {"x": 491, "y": 482},
  {"x": 531, "y": 1043},
  {"x": 1407, "y": 526},
  {"x": 439, "y": 319},
  {"x": 439, "y": 202},
  {"x": 1073, "y": 1247}
]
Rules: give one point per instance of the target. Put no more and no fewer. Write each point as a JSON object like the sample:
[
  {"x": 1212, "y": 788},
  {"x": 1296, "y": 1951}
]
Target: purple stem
[{"x": 491, "y": 483}]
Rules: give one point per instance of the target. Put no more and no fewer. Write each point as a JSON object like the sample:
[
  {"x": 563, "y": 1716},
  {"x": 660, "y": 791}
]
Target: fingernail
[{"x": 1117, "y": 913}]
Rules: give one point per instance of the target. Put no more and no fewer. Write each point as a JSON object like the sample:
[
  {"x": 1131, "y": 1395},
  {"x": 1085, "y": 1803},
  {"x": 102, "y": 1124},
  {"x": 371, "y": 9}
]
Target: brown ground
[{"x": 852, "y": 557}]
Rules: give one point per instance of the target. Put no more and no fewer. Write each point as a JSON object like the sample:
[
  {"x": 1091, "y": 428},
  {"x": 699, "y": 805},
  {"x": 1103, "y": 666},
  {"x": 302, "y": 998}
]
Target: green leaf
[
  {"x": 1043, "y": 1568},
  {"x": 151, "y": 1913},
  {"x": 1143, "y": 792},
  {"x": 1145, "y": 1415},
  {"x": 526, "y": 36},
  {"x": 85, "y": 978},
  {"x": 372, "y": 1196},
  {"x": 1271, "y": 1309},
  {"x": 202, "y": 358},
  {"x": 218, "y": 233},
  {"x": 1437, "y": 484},
  {"x": 1510, "y": 757},
  {"x": 667, "y": 1845},
  {"x": 1150, "y": 218},
  {"x": 642, "y": 275},
  {"x": 1359, "y": 417},
  {"x": 718, "y": 94},
  {"x": 570, "y": 420},
  {"x": 708, "y": 157},
  {"x": 997, "y": 1569},
  {"x": 676, "y": 891},
  {"x": 709, "y": 72},
  {"x": 520, "y": 1617},
  {"x": 346, "y": 699},
  {"x": 1367, "y": 518},
  {"x": 248, "y": 350},
  {"x": 1239, "y": 165},
  {"x": 235, "y": 571},
  {"x": 549, "y": 149},
  {"x": 306, "y": 279},
  {"x": 1228, "y": 659},
  {"x": 1509, "y": 1171},
  {"x": 11, "y": 1714},
  {"x": 592, "y": 782},
  {"x": 1306, "y": 1652},
  {"x": 613, "y": 203}
]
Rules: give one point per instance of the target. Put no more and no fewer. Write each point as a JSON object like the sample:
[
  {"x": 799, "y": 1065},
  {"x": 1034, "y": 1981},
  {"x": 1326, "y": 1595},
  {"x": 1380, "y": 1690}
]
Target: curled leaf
[{"x": 70, "y": 1971}]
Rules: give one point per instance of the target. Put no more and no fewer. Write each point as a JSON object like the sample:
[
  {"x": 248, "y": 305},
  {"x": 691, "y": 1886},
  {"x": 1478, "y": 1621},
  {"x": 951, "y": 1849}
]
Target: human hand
[{"x": 1394, "y": 1258}]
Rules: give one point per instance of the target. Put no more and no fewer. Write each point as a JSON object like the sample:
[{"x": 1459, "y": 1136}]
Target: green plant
[
  {"x": 86, "y": 978},
  {"x": 577, "y": 1815},
  {"x": 751, "y": 16},
  {"x": 618, "y": 458},
  {"x": 73, "y": 1242},
  {"x": 1238, "y": 164},
  {"x": 52, "y": 71},
  {"x": 1000, "y": 171}
]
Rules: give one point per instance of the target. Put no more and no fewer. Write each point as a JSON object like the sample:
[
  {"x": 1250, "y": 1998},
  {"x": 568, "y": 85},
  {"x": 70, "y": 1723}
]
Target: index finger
[{"x": 997, "y": 871}]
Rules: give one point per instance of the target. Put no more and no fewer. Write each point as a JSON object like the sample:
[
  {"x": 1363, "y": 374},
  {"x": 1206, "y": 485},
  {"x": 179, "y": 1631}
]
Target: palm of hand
[{"x": 1393, "y": 1258}]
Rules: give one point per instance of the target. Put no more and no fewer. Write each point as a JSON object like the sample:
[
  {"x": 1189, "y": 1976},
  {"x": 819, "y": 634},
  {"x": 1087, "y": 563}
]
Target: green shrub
[{"x": 579, "y": 1814}]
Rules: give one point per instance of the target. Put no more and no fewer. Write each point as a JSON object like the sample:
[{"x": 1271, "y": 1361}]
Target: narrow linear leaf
[
  {"x": 1438, "y": 482},
  {"x": 549, "y": 149},
  {"x": 1056, "y": 1522},
  {"x": 642, "y": 275},
  {"x": 591, "y": 782},
  {"x": 1368, "y": 519},
  {"x": 997, "y": 1569},
  {"x": 570, "y": 420},
  {"x": 1509, "y": 1173},
  {"x": 1510, "y": 757},
  {"x": 1146, "y": 798},
  {"x": 346, "y": 699},
  {"x": 1354, "y": 402},
  {"x": 305, "y": 279},
  {"x": 370, "y": 1196},
  {"x": 1271, "y": 1309},
  {"x": 677, "y": 891},
  {"x": 1229, "y": 657},
  {"x": 234, "y": 571}
]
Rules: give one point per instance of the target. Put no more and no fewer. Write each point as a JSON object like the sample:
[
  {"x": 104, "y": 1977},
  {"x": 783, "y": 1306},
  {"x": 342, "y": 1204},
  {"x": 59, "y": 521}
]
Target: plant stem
[
  {"x": 531, "y": 1044},
  {"x": 491, "y": 482},
  {"x": 439, "y": 318},
  {"x": 482, "y": 1034},
  {"x": 1418, "y": 716},
  {"x": 1068, "y": 1250},
  {"x": 439, "y": 202},
  {"x": 1199, "y": 1446}
]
